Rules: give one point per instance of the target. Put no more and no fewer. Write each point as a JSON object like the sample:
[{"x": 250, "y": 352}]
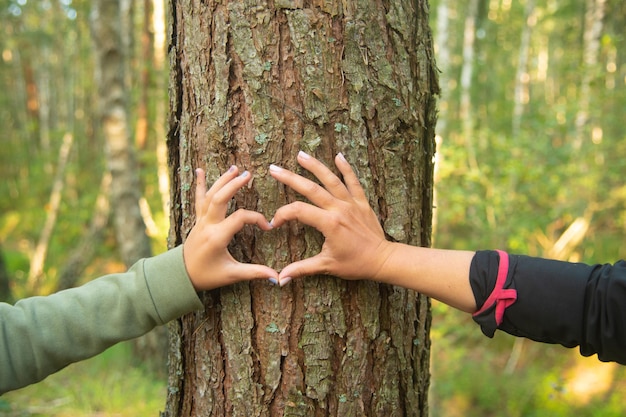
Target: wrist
[
  {"x": 386, "y": 264},
  {"x": 189, "y": 267}
]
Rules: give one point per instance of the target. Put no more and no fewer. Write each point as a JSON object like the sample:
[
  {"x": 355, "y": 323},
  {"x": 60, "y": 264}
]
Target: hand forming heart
[{"x": 354, "y": 248}]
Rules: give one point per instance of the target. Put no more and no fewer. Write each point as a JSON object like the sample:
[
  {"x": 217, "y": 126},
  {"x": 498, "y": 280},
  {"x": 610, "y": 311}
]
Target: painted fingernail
[
  {"x": 285, "y": 281},
  {"x": 304, "y": 155},
  {"x": 273, "y": 280},
  {"x": 198, "y": 171},
  {"x": 275, "y": 168},
  {"x": 244, "y": 174},
  {"x": 343, "y": 158},
  {"x": 232, "y": 168}
]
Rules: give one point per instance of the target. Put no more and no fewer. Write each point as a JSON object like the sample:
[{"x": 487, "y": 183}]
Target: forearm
[
  {"x": 438, "y": 273},
  {"x": 571, "y": 304},
  {"x": 40, "y": 335}
]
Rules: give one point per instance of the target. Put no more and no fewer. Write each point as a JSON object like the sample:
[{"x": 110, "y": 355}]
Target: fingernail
[
  {"x": 270, "y": 224},
  {"x": 285, "y": 281},
  {"x": 232, "y": 168},
  {"x": 273, "y": 280},
  {"x": 244, "y": 174},
  {"x": 198, "y": 170},
  {"x": 343, "y": 158},
  {"x": 304, "y": 155},
  {"x": 275, "y": 168}
]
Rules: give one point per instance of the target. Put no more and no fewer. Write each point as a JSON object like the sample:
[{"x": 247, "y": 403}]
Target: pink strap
[{"x": 500, "y": 297}]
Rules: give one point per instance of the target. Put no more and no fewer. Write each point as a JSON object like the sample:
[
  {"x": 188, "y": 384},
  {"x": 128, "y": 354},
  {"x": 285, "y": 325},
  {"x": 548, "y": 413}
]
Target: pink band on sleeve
[{"x": 499, "y": 296}]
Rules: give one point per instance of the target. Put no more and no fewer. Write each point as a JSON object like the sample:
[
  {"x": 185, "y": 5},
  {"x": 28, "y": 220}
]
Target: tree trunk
[
  {"x": 84, "y": 251},
  {"x": 594, "y": 22},
  {"x": 444, "y": 64},
  {"x": 5, "y": 287},
  {"x": 159, "y": 55},
  {"x": 146, "y": 51},
  {"x": 125, "y": 187},
  {"x": 38, "y": 258},
  {"x": 465, "y": 112},
  {"x": 522, "y": 76},
  {"x": 112, "y": 38},
  {"x": 252, "y": 84}
]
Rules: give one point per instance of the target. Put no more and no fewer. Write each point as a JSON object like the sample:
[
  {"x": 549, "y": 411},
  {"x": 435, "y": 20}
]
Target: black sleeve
[{"x": 571, "y": 304}]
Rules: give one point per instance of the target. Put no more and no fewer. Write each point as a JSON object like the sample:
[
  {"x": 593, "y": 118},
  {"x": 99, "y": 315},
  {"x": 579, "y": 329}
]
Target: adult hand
[
  {"x": 355, "y": 246},
  {"x": 208, "y": 262}
]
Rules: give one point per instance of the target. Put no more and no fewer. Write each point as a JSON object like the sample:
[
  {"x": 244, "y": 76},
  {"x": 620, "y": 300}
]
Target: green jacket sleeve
[{"x": 41, "y": 335}]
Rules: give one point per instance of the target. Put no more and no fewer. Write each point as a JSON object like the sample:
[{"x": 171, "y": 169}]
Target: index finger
[
  {"x": 349, "y": 177},
  {"x": 333, "y": 184},
  {"x": 218, "y": 206},
  {"x": 303, "y": 213},
  {"x": 203, "y": 197},
  {"x": 314, "y": 192}
]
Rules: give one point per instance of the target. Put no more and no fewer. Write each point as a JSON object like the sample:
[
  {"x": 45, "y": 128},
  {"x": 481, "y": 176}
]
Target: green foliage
[
  {"x": 525, "y": 190},
  {"x": 469, "y": 377},
  {"x": 540, "y": 179},
  {"x": 46, "y": 91}
]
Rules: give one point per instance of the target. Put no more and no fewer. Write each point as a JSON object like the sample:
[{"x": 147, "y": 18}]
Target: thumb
[
  {"x": 254, "y": 271},
  {"x": 305, "y": 267}
]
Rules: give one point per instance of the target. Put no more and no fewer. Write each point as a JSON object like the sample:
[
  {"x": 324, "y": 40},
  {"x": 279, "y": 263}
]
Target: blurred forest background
[{"x": 531, "y": 144}]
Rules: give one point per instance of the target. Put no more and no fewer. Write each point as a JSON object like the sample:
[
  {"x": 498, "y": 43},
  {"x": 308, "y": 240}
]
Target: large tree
[
  {"x": 251, "y": 84},
  {"x": 110, "y": 36}
]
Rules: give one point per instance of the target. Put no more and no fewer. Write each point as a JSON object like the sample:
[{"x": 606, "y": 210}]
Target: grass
[{"x": 110, "y": 384}]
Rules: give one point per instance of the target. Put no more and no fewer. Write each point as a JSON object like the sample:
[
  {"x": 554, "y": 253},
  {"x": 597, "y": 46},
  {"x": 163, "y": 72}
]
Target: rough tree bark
[{"x": 251, "y": 84}]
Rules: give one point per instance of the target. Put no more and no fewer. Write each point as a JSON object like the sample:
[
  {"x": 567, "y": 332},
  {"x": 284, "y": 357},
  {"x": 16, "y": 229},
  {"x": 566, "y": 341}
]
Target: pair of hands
[{"x": 354, "y": 248}]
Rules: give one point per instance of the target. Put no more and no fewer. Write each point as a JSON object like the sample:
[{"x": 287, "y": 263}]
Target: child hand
[
  {"x": 355, "y": 246},
  {"x": 208, "y": 262}
]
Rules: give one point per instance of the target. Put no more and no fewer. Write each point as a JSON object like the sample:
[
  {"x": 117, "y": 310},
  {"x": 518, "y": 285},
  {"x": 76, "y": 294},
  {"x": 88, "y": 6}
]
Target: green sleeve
[{"x": 41, "y": 335}]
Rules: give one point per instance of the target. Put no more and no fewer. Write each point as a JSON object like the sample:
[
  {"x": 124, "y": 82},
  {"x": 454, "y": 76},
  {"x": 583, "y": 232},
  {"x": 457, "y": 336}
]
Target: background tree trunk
[
  {"x": 251, "y": 84},
  {"x": 111, "y": 58},
  {"x": 41, "y": 249},
  {"x": 443, "y": 50},
  {"x": 5, "y": 288},
  {"x": 112, "y": 38},
  {"x": 593, "y": 27},
  {"x": 522, "y": 76},
  {"x": 84, "y": 251},
  {"x": 159, "y": 63},
  {"x": 466, "y": 113}
]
